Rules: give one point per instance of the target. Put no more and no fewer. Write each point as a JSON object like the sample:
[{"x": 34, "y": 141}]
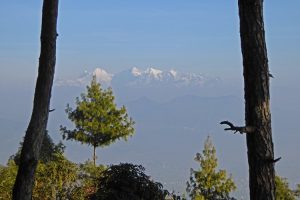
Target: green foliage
[
  {"x": 48, "y": 153},
  {"x": 283, "y": 192},
  {"x": 127, "y": 182},
  {"x": 98, "y": 121},
  {"x": 206, "y": 182},
  {"x": 7, "y": 179},
  {"x": 87, "y": 177},
  {"x": 55, "y": 179}
]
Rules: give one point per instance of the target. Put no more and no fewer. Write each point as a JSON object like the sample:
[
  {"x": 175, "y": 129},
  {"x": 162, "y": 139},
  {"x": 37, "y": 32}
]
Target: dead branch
[{"x": 240, "y": 129}]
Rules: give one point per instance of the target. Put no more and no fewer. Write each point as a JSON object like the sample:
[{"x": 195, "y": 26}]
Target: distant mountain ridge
[{"x": 136, "y": 77}]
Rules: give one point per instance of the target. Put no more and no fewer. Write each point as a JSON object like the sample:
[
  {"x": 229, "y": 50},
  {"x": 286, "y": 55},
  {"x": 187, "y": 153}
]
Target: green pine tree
[
  {"x": 283, "y": 191},
  {"x": 98, "y": 121},
  {"x": 207, "y": 183}
]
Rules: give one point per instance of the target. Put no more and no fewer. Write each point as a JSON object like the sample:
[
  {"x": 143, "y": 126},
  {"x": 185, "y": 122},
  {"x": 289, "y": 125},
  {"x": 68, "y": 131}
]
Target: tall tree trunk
[
  {"x": 39, "y": 118},
  {"x": 257, "y": 98}
]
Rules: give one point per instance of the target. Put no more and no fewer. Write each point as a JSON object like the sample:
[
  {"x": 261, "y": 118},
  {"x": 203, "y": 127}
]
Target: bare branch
[
  {"x": 273, "y": 160},
  {"x": 240, "y": 129}
]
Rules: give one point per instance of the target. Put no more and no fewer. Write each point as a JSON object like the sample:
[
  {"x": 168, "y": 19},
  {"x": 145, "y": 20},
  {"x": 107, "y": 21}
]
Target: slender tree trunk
[
  {"x": 94, "y": 156},
  {"x": 257, "y": 99},
  {"x": 39, "y": 118}
]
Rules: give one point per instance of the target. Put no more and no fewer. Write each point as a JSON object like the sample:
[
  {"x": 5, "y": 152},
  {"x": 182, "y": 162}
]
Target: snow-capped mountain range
[{"x": 136, "y": 77}]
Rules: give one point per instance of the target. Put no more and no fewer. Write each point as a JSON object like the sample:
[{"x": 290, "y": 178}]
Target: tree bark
[
  {"x": 36, "y": 129},
  {"x": 94, "y": 156},
  {"x": 257, "y": 100}
]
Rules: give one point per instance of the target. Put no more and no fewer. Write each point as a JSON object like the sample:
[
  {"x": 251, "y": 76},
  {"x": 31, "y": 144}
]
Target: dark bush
[{"x": 127, "y": 182}]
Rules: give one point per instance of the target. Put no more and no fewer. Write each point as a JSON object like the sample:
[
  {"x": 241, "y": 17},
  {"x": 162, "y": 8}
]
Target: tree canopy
[
  {"x": 128, "y": 182},
  {"x": 98, "y": 122},
  {"x": 206, "y": 182}
]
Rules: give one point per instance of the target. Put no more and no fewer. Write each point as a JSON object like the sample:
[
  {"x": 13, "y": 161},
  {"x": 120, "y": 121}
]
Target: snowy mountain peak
[
  {"x": 139, "y": 78},
  {"x": 155, "y": 73},
  {"x": 136, "y": 72},
  {"x": 102, "y": 75},
  {"x": 173, "y": 73}
]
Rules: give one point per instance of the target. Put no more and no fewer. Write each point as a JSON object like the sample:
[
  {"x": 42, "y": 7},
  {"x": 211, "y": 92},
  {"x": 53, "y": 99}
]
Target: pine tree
[
  {"x": 206, "y": 182},
  {"x": 98, "y": 121}
]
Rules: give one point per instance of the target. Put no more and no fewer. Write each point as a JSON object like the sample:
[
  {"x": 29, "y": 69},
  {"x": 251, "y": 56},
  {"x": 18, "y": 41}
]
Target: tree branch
[
  {"x": 240, "y": 129},
  {"x": 271, "y": 160}
]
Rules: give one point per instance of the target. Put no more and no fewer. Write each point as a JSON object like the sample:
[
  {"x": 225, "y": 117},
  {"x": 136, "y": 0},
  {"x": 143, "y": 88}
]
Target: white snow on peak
[
  {"x": 136, "y": 77},
  {"x": 156, "y": 73},
  {"x": 136, "y": 72},
  {"x": 173, "y": 73},
  {"x": 102, "y": 75}
]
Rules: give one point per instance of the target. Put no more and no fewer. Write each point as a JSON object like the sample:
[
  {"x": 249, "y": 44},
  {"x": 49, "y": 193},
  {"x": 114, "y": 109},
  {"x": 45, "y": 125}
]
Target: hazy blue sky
[{"x": 194, "y": 36}]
